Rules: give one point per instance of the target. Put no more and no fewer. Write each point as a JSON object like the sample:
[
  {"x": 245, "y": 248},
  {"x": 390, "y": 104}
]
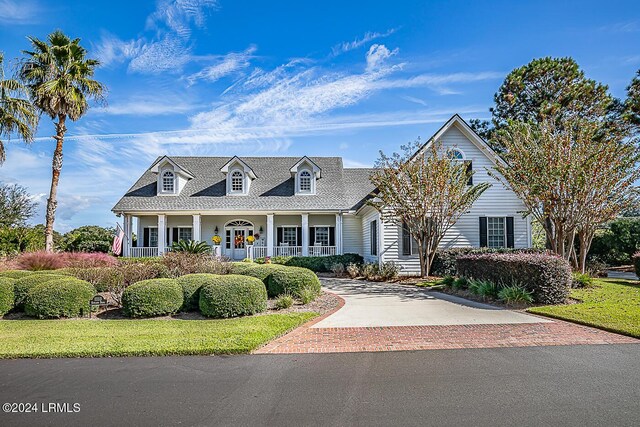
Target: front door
[{"x": 239, "y": 235}]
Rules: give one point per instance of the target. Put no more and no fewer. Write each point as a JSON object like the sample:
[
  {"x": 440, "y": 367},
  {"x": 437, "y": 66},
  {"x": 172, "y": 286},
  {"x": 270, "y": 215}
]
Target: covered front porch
[{"x": 282, "y": 234}]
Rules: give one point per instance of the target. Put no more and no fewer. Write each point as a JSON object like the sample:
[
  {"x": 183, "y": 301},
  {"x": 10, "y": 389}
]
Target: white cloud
[
  {"x": 19, "y": 12},
  {"x": 370, "y": 36},
  {"x": 228, "y": 64},
  {"x": 112, "y": 50},
  {"x": 148, "y": 106},
  {"x": 179, "y": 15},
  {"x": 378, "y": 55},
  {"x": 439, "y": 82},
  {"x": 167, "y": 54},
  {"x": 414, "y": 100},
  {"x": 348, "y": 163}
]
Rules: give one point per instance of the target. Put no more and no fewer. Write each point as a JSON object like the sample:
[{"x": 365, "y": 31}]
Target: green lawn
[
  {"x": 99, "y": 338},
  {"x": 613, "y": 304}
]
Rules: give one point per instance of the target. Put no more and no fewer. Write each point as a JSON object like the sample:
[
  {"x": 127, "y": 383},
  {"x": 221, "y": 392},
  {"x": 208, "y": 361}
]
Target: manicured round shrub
[
  {"x": 62, "y": 297},
  {"x": 191, "y": 284},
  {"x": 262, "y": 271},
  {"x": 240, "y": 267},
  {"x": 15, "y": 274},
  {"x": 23, "y": 285},
  {"x": 6, "y": 294},
  {"x": 293, "y": 280},
  {"x": 155, "y": 297},
  {"x": 233, "y": 295}
]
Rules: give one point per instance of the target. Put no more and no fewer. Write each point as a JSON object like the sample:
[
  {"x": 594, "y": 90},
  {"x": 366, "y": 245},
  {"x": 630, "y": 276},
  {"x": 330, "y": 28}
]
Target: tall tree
[
  {"x": 632, "y": 103},
  {"x": 60, "y": 81},
  {"x": 16, "y": 206},
  {"x": 17, "y": 115},
  {"x": 571, "y": 177},
  {"x": 424, "y": 191}
]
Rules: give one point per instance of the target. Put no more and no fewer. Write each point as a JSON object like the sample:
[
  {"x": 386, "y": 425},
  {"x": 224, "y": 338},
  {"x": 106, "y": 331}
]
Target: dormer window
[
  {"x": 237, "y": 182},
  {"x": 304, "y": 180},
  {"x": 168, "y": 182}
]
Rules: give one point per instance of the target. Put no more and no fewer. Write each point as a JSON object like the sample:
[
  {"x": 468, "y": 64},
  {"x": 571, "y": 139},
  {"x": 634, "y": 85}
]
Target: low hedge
[
  {"x": 261, "y": 271},
  {"x": 154, "y": 297},
  {"x": 292, "y": 280},
  {"x": 7, "y": 297},
  {"x": 23, "y": 285},
  {"x": 62, "y": 297},
  {"x": 316, "y": 263},
  {"x": 547, "y": 276},
  {"x": 444, "y": 262},
  {"x": 240, "y": 267},
  {"x": 233, "y": 295},
  {"x": 636, "y": 263},
  {"x": 15, "y": 274},
  {"x": 191, "y": 285}
]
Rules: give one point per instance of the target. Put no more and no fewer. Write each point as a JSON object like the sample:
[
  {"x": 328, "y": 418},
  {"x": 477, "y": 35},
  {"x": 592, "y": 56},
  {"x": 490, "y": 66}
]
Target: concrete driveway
[{"x": 370, "y": 304}]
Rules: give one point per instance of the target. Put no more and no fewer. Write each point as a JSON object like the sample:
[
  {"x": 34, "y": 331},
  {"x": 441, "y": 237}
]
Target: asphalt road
[{"x": 581, "y": 386}]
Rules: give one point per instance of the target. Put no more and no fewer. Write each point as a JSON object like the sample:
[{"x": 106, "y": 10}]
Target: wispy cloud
[
  {"x": 19, "y": 12},
  {"x": 228, "y": 64},
  {"x": 358, "y": 42},
  {"x": 149, "y": 106},
  {"x": 439, "y": 82},
  {"x": 622, "y": 27},
  {"x": 378, "y": 55},
  {"x": 180, "y": 15},
  {"x": 415, "y": 100}
]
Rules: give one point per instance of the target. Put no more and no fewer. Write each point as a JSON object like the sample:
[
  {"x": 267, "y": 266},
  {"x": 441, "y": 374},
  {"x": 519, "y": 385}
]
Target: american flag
[{"x": 117, "y": 240}]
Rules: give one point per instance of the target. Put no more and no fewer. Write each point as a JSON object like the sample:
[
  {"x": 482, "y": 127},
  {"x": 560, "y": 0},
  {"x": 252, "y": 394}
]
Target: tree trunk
[{"x": 56, "y": 166}]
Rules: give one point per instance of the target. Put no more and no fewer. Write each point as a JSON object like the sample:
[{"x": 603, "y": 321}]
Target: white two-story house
[{"x": 309, "y": 206}]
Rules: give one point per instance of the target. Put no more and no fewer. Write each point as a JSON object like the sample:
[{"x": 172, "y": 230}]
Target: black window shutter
[
  {"x": 145, "y": 237},
  {"x": 298, "y": 236},
  {"x": 279, "y": 236},
  {"x": 406, "y": 240},
  {"x": 469, "y": 172},
  {"x": 510, "y": 243},
  {"x": 175, "y": 235},
  {"x": 483, "y": 231},
  {"x": 312, "y": 236},
  {"x": 332, "y": 236},
  {"x": 374, "y": 237}
]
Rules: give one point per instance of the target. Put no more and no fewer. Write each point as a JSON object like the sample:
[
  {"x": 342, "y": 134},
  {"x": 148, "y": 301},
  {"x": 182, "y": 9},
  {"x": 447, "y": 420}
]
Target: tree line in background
[{"x": 570, "y": 153}]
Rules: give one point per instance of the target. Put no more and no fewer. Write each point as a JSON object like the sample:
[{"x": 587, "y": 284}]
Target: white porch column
[
  {"x": 305, "y": 234},
  {"x": 126, "y": 243},
  {"x": 339, "y": 233},
  {"x": 162, "y": 233},
  {"x": 139, "y": 234},
  {"x": 196, "y": 230},
  {"x": 270, "y": 235}
]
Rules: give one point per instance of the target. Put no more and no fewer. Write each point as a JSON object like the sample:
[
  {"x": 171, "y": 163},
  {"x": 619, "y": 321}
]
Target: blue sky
[{"x": 331, "y": 78}]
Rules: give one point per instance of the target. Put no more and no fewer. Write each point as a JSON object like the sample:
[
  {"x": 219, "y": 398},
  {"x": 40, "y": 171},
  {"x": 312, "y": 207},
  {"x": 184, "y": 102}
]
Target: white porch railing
[
  {"x": 143, "y": 252},
  {"x": 322, "y": 250},
  {"x": 287, "y": 251},
  {"x": 259, "y": 251}
]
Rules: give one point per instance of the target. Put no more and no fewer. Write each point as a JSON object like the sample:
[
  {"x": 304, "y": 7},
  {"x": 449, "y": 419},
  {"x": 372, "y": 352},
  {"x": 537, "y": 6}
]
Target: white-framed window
[
  {"x": 321, "y": 236},
  {"x": 290, "y": 236},
  {"x": 168, "y": 182},
  {"x": 455, "y": 154},
  {"x": 237, "y": 182},
  {"x": 373, "y": 236},
  {"x": 496, "y": 232},
  {"x": 304, "y": 181},
  {"x": 184, "y": 233},
  {"x": 153, "y": 237}
]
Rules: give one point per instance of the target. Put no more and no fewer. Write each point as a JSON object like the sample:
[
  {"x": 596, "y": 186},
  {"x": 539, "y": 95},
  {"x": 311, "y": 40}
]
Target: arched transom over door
[{"x": 236, "y": 233}]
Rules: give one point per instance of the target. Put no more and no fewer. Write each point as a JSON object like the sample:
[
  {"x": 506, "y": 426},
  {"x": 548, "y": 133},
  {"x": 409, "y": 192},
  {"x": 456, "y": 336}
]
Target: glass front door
[{"x": 239, "y": 235}]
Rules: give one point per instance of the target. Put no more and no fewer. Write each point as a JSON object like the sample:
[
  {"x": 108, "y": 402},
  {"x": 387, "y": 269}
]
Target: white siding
[
  {"x": 369, "y": 214},
  {"x": 352, "y": 234}
]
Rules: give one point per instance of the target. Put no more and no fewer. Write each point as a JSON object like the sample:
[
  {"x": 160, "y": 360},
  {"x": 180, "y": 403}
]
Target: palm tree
[
  {"x": 60, "y": 81},
  {"x": 17, "y": 115}
]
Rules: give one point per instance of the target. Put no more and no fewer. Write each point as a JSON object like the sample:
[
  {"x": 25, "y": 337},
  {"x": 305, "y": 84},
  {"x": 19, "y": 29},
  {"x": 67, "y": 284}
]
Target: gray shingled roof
[{"x": 273, "y": 190}]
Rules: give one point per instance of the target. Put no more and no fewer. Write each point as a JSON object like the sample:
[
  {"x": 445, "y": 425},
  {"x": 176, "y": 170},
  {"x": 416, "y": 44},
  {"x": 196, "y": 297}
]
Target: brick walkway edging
[{"x": 306, "y": 339}]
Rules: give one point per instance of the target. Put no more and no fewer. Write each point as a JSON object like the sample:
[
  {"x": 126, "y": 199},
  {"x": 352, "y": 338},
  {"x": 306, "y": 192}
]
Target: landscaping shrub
[
  {"x": 636, "y": 263},
  {"x": 102, "y": 278},
  {"x": 191, "y": 285},
  {"x": 460, "y": 283},
  {"x": 22, "y": 286},
  {"x": 130, "y": 273},
  {"x": 338, "y": 269},
  {"x": 444, "y": 262},
  {"x": 388, "y": 270},
  {"x": 15, "y": 274},
  {"x": 261, "y": 271},
  {"x": 353, "y": 270},
  {"x": 292, "y": 280},
  {"x": 284, "y": 301},
  {"x": 233, "y": 295},
  {"x": 191, "y": 247},
  {"x": 273, "y": 260},
  {"x": 617, "y": 242},
  {"x": 448, "y": 280},
  {"x": 582, "y": 280},
  {"x": 7, "y": 297},
  {"x": 155, "y": 297},
  {"x": 61, "y": 297},
  {"x": 370, "y": 271},
  {"x": 515, "y": 294},
  {"x": 484, "y": 288},
  {"x": 239, "y": 267},
  {"x": 307, "y": 295},
  {"x": 40, "y": 260},
  {"x": 547, "y": 276},
  {"x": 182, "y": 263},
  {"x": 88, "y": 259}
]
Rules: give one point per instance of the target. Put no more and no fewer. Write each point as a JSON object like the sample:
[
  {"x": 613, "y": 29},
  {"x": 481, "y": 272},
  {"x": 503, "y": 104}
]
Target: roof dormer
[
  {"x": 239, "y": 176},
  {"x": 171, "y": 177},
  {"x": 306, "y": 173}
]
